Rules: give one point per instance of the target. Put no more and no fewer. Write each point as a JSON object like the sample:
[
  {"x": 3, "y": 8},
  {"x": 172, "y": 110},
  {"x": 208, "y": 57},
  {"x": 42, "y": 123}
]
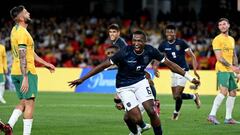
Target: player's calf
[
  {"x": 157, "y": 106},
  {"x": 197, "y": 100},
  {"x": 1, "y": 126}
]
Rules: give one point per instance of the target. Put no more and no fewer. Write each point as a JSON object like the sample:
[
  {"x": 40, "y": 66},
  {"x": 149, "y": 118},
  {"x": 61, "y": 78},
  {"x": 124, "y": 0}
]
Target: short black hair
[
  {"x": 114, "y": 26},
  {"x": 223, "y": 19},
  {"x": 16, "y": 10},
  {"x": 171, "y": 27},
  {"x": 140, "y": 32}
]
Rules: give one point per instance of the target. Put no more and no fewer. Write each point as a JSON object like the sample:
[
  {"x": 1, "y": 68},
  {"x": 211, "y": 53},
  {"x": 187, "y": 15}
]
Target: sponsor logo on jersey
[
  {"x": 168, "y": 49},
  {"x": 132, "y": 61}
]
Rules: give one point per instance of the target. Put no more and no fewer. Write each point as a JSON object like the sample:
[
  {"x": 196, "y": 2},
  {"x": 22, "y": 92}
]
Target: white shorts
[
  {"x": 135, "y": 94},
  {"x": 141, "y": 108},
  {"x": 178, "y": 80}
]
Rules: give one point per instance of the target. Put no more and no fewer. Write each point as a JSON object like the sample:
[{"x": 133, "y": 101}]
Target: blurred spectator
[{"x": 80, "y": 42}]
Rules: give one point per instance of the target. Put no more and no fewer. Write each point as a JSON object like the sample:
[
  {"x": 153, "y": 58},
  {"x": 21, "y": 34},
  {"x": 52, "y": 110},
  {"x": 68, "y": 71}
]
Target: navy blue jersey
[
  {"x": 131, "y": 66},
  {"x": 120, "y": 43},
  {"x": 175, "y": 52}
]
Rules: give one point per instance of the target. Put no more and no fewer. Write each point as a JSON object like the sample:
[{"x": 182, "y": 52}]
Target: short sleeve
[
  {"x": 161, "y": 48},
  {"x": 157, "y": 55},
  {"x": 216, "y": 45},
  {"x": 115, "y": 59},
  {"x": 21, "y": 38},
  {"x": 185, "y": 45}
]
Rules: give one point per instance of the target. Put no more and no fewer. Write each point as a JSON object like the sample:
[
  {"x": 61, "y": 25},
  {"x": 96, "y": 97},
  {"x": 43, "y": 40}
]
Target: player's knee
[
  {"x": 151, "y": 112},
  {"x": 177, "y": 97},
  {"x": 20, "y": 107},
  {"x": 126, "y": 118},
  {"x": 135, "y": 119}
]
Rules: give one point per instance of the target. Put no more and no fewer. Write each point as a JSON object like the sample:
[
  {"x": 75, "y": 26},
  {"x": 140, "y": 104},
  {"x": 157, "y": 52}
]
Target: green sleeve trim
[
  {"x": 217, "y": 49},
  {"x": 22, "y": 46}
]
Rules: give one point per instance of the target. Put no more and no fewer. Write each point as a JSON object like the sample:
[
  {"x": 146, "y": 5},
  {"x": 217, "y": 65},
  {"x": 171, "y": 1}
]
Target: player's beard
[{"x": 28, "y": 20}]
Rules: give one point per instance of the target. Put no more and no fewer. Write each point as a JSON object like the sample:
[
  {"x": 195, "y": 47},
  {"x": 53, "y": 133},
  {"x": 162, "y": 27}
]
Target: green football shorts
[
  {"x": 2, "y": 78},
  {"x": 32, "y": 88},
  {"x": 227, "y": 79}
]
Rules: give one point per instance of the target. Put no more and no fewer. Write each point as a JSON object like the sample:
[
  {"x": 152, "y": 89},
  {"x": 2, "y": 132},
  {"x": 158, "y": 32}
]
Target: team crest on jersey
[
  {"x": 178, "y": 47},
  {"x": 129, "y": 104}
]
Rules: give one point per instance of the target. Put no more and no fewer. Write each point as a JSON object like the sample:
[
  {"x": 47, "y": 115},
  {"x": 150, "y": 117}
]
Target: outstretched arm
[
  {"x": 176, "y": 69},
  {"x": 94, "y": 71},
  {"x": 194, "y": 62},
  {"x": 49, "y": 66},
  {"x": 155, "y": 68}
]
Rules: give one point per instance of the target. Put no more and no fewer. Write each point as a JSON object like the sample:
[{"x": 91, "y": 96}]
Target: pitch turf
[{"x": 94, "y": 114}]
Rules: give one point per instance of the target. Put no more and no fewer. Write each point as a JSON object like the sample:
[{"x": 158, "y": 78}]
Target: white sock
[
  {"x": 194, "y": 96},
  {"x": 14, "y": 117},
  {"x": 2, "y": 89},
  {"x": 229, "y": 106},
  {"x": 27, "y": 126},
  {"x": 217, "y": 102},
  {"x": 175, "y": 111}
]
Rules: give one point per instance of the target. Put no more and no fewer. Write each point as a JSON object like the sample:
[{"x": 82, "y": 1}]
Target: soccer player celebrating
[
  {"x": 175, "y": 50},
  {"x": 132, "y": 86},
  {"x": 227, "y": 62},
  {"x": 110, "y": 51},
  {"x": 119, "y": 42},
  {"x": 23, "y": 70},
  {"x": 3, "y": 71}
]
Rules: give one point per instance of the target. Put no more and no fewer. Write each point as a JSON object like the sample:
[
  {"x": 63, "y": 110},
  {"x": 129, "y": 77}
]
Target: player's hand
[
  {"x": 156, "y": 73},
  {"x": 196, "y": 82},
  {"x": 119, "y": 106},
  {"x": 50, "y": 67},
  {"x": 235, "y": 69},
  {"x": 197, "y": 75},
  {"x": 238, "y": 77},
  {"x": 24, "y": 87},
  {"x": 75, "y": 82}
]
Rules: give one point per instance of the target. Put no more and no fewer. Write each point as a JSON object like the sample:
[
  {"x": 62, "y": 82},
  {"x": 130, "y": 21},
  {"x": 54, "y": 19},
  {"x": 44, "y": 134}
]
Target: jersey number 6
[{"x": 149, "y": 91}]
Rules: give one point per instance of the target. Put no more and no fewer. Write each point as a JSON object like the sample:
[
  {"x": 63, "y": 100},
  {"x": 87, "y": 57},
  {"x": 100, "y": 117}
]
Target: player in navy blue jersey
[
  {"x": 132, "y": 86},
  {"x": 114, "y": 35},
  {"x": 110, "y": 51},
  {"x": 175, "y": 50},
  {"x": 118, "y": 41}
]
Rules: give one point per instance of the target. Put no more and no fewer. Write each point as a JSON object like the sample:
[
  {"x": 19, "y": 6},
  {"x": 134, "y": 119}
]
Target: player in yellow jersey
[
  {"x": 3, "y": 71},
  {"x": 227, "y": 62},
  {"x": 23, "y": 70}
]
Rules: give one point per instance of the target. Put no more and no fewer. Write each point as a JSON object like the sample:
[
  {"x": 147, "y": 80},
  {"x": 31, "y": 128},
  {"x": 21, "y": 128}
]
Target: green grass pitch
[{"x": 59, "y": 113}]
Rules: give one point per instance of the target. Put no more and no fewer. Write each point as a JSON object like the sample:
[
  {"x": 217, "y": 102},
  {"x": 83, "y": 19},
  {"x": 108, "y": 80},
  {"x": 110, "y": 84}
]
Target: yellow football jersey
[
  {"x": 20, "y": 37},
  {"x": 3, "y": 59},
  {"x": 226, "y": 44}
]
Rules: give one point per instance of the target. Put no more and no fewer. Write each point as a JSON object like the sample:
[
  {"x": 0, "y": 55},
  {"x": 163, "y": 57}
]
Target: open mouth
[{"x": 137, "y": 48}]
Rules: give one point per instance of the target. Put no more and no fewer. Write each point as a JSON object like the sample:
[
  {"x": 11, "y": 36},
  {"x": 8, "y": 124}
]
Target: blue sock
[
  {"x": 142, "y": 124},
  {"x": 178, "y": 104},
  {"x": 187, "y": 96},
  {"x": 157, "y": 130}
]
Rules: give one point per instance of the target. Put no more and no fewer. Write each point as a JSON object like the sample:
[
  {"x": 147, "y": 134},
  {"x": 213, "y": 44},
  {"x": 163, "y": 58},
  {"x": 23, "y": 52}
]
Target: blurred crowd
[{"x": 81, "y": 42}]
